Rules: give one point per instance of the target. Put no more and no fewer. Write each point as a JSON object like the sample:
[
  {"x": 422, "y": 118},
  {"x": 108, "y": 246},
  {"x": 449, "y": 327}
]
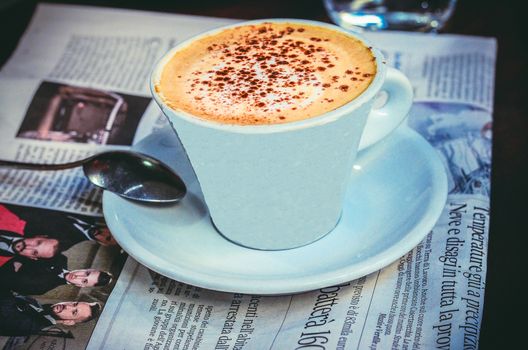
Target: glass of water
[{"x": 409, "y": 15}]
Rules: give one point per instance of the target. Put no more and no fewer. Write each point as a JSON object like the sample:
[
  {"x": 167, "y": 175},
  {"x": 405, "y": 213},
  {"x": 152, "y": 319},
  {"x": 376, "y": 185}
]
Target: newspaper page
[{"x": 76, "y": 63}]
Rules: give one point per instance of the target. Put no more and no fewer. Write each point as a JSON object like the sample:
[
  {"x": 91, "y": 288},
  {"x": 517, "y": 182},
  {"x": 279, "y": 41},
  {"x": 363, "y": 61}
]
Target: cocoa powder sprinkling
[{"x": 266, "y": 66}]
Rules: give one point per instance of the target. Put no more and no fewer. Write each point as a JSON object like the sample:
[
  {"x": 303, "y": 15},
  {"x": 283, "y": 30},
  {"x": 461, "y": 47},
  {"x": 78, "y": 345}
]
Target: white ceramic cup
[{"x": 282, "y": 186}]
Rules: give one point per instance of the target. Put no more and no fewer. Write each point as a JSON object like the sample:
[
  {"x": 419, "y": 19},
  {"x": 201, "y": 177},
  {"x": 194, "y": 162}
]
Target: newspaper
[{"x": 78, "y": 84}]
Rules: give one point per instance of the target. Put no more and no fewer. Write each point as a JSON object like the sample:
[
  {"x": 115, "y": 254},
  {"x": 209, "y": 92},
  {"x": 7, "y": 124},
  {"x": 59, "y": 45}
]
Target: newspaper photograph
[
  {"x": 57, "y": 269},
  {"x": 78, "y": 84}
]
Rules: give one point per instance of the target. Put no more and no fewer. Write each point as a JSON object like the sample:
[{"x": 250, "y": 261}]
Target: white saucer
[{"x": 397, "y": 193}]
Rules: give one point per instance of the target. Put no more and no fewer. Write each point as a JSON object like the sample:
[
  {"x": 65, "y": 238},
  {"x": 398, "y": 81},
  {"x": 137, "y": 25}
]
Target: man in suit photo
[
  {"x": 21, "y": 315},
  {"x": 36, "y": 277},
  {"x": 69, "y": 229},
  {"x": 39, "y": 247}
]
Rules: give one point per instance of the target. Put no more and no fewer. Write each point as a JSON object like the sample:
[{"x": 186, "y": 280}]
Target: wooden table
[{"x": 507, "y": 250}]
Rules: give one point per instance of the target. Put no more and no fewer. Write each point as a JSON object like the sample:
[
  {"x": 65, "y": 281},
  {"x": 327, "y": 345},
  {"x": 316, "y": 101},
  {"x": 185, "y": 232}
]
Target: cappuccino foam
[{"x": 266, "y": 73}]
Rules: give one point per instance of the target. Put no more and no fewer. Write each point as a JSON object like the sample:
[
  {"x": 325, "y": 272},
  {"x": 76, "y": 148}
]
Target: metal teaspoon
[{"x": 131, "y": 175}]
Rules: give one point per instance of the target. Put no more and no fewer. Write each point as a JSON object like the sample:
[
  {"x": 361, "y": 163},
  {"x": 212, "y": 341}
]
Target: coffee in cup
[
  {"x": 266, "y": 73},
  {"x": 272, "y": 114}
]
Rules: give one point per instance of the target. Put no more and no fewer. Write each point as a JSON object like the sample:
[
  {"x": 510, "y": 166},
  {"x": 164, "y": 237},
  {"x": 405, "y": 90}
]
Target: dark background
[{"x": 505, "y": 300}]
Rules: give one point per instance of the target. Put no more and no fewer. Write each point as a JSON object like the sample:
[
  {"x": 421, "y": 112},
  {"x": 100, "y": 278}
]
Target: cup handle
[{"x": 385, "y": 119}]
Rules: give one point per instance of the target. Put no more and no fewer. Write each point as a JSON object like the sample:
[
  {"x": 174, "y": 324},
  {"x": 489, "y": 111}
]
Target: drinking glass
[{"x": 408, "y": 15}]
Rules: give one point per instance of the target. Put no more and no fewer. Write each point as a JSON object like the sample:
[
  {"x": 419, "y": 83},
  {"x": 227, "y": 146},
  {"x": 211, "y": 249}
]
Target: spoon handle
[{"x": 36, "y": 166}]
